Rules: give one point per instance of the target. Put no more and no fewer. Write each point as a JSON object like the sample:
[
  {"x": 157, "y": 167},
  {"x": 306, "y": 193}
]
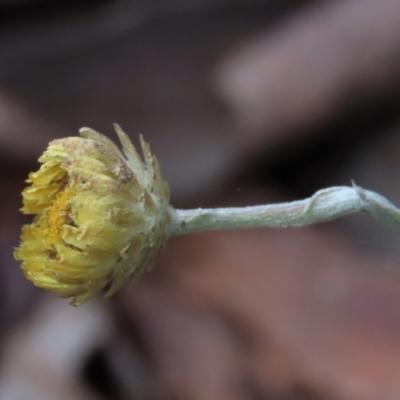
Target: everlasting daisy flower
[{"x": 100, "y": 217}]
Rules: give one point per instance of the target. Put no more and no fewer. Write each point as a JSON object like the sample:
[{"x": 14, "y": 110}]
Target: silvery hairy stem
[{"x": 324, "y": 205}]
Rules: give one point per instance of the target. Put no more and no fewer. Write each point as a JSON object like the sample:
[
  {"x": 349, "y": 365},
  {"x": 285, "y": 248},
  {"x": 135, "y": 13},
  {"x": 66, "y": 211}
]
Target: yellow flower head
[{"x": 100, "y": 217}]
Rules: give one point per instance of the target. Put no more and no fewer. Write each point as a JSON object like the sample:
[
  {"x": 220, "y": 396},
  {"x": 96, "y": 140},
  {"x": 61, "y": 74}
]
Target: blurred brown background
[{"x": 244, "y": 102}]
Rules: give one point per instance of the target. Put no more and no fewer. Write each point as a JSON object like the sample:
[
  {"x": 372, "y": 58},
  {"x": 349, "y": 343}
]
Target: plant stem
[{"x": 324, "y": 205}]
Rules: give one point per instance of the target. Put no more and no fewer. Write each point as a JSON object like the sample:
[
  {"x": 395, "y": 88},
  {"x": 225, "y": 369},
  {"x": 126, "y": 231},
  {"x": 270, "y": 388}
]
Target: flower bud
[{"x": 100, "y": 217}]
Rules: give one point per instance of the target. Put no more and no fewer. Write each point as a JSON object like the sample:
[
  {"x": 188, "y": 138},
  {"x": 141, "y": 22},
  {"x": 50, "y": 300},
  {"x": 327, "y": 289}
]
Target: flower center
[{"x": 56, "y": 216}]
